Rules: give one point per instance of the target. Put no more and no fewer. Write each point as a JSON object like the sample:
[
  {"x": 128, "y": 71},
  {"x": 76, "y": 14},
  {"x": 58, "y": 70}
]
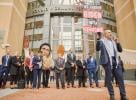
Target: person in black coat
[
  {"x": 79, "y": 71},
  {"x": 84, "y": 73},
  {"x": 70, "y": 68},
  {"x": 15, "y": 64},
  {"x": 21, "y": 69}
]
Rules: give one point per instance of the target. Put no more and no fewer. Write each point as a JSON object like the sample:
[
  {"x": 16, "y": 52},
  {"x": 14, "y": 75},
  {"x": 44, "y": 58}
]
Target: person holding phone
[{"x": 109, "y": 49}]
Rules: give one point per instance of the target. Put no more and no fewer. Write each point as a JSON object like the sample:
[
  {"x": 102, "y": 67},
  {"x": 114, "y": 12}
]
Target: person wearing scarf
[
  {"x": 109, "y": 60},
  {"x": 47, "y": 63}
]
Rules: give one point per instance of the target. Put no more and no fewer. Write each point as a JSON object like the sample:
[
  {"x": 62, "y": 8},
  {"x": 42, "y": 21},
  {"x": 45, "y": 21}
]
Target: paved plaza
[{"x": 65, "y": 94}]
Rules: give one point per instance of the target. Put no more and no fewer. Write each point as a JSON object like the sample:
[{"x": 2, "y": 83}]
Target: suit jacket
[
  {"x": 59, "y": 63},
  {"x": 84, "y": 69},
  {"x": 15, "y": 65},
  {"x": 79, "y": 68},
  {"x": 104, "y": 57},
  {"x": 70, "y": 60},
  {"x": 4, "y": 61},
  {"x": 35, "y": 62},
  {"x": 1, "y": 70},
  {"x": 91, "y": 65}
]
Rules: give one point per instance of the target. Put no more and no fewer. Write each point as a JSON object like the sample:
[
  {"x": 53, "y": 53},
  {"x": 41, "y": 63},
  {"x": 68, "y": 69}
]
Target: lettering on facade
[
  {"x": 88, "y": 29},
  {"x": 66, "y": 9},
  {"x": 92, "y": 14},
  {"x": 92, "y": 18}
]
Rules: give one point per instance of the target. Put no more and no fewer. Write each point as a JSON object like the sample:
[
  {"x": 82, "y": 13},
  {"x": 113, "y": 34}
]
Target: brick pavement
[{"x": 69, "y": 94}]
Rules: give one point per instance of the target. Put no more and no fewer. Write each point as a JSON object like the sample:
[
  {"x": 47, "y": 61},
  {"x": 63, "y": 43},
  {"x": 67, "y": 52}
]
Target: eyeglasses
[{"x": 45, "y": 49}]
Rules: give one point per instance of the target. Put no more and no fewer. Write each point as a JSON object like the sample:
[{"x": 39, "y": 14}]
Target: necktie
[
  {"x": 7, "y": 60},
  {"x": 72, "y": 56}
]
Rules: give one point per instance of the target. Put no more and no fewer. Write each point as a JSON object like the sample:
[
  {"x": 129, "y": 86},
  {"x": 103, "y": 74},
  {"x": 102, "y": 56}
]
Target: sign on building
[{"x": 91, "y": 20}]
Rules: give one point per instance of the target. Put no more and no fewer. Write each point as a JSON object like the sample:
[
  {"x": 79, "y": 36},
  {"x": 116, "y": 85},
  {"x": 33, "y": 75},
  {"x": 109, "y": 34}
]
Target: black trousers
[
  {"x": 70, "y": 75},
  {"x": 114, "y": 76},
  {"x": 81, "y": 81},
  {"x": 108, "y": 79},
  {"x": 5, "y": 76},
  {"x": 46, "y": 74},
  {"x": 52, "y": 78},
  {"x": 21, "y": 73},
  {"x": 36, "y": 78},
  {"x": 1, "y": 75},
  {"x": 29, "y": 76},
  {"x": 13, "y": 79}
]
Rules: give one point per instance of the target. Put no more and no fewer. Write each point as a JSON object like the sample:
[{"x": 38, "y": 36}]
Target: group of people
[{"x": 38, "y": 66}]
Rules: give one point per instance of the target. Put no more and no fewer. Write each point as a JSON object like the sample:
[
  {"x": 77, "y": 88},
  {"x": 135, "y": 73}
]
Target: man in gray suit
[
  {"x": 109, "y": 60},
  {"x": 70, "y": 68}
]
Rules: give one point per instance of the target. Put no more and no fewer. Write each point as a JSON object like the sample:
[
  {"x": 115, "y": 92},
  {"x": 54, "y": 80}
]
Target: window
[
  {"x": 56, "y": 35},
  {"x": 29, "y": 26},
  {"x": 38, "y": 31},
  {"x": 36, "y": 43},
  {"x": 67, "y": 44},
  {"x": 67, "y": 29},
  {"x": 29, "y": 32},
  {"x": 55, "y": 45},
  {"x": 35, "y": 37},
  {"x": 78, "y": 35},
  {"x": 38, "y": 24},
  {"x": 39, "y": 18},
  {"x": 67, "y": 19},
  {"x": 78, "y": 41},
  {"x": 78, "y": 46},
  {"x": 67, "y": 35}
]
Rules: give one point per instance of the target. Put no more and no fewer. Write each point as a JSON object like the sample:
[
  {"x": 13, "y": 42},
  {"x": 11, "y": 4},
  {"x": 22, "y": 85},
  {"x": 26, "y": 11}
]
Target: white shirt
[
  {"x": 40, "y": 63},
  {"x": 91, "y": 59},
  {"x": 7, "y": 58},
  {"x": 31, "y": 61},
  {"x": 110, "y": 47},
  {"x": 72, "y": 55}
]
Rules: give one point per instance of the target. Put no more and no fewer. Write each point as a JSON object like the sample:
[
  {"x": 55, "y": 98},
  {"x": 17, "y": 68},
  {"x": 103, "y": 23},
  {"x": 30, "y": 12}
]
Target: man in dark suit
[
  {"x": 14, "y": 69},
  {"x": 109, "y": 60},
  {"x": 92, "y": 69},
  {"x": 70, "y": 68},
  {"x": 5, "y": 67},
  {"x": 37, "y": 64}
]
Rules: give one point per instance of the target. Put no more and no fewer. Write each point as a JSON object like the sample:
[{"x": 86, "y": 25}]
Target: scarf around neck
[{"x": 104, "y": 40}]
